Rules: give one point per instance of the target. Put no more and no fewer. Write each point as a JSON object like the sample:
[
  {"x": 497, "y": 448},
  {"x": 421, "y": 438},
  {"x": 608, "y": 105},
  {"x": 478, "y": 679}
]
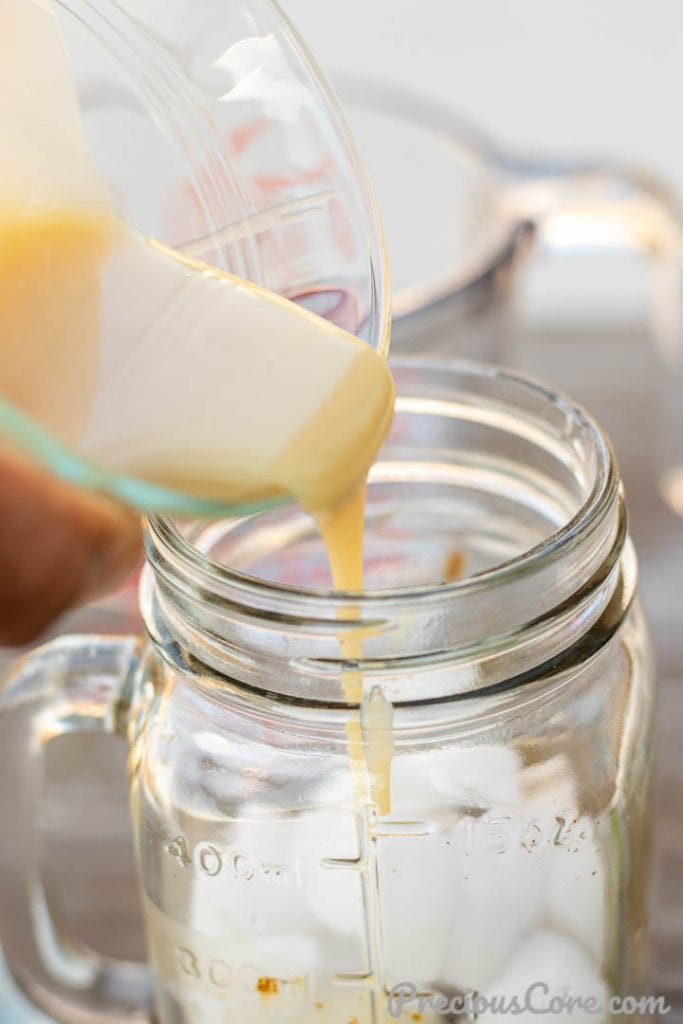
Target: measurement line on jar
[
  {"x": 371, "y": 979},
  {"x": 404, "y": 829}
]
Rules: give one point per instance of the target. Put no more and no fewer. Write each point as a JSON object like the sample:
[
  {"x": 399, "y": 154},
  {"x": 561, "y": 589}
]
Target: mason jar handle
[{"x": 76, "y": 684}]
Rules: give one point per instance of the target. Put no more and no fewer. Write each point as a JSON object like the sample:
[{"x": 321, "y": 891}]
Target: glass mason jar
[{"x": 508, "y": 692}]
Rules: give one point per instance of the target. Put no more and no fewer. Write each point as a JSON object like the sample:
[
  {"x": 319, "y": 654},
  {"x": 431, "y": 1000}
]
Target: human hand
[{"x": 59, "y": 548}]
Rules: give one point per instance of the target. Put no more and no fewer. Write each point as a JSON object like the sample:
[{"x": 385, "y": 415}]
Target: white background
[{"x": 603, "y": 77}]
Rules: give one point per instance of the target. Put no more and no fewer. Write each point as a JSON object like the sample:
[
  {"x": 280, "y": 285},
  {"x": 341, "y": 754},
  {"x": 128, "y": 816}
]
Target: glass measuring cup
[
  {"x": 515, "y": 848},
  {"x": 216, "y": 135}
]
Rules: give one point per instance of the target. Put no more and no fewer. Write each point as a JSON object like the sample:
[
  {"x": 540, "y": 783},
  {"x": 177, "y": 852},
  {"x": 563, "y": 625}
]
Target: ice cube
[
  {"x": 574, "y": 873},
  {"x": 476, "y": 776}
]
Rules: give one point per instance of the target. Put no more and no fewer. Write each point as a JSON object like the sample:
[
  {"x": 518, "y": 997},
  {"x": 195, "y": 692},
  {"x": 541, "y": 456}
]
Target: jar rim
[{"x": 165, "y": 538}]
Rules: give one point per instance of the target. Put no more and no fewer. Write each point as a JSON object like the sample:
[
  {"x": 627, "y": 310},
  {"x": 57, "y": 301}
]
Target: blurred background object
[{"x": 579, "y": 82}]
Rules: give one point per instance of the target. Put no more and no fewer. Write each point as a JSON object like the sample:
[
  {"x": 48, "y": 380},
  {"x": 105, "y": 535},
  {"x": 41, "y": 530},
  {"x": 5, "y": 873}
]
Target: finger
[{"x": 59, "y": 548}]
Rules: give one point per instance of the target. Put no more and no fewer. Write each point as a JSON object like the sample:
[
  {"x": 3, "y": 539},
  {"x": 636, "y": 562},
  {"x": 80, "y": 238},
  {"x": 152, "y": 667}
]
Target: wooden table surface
[{"x": 620, "y": 391}]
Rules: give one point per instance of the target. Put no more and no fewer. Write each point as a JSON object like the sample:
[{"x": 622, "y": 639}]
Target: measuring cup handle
[
  {"x": 577, "y": 206},
  {"x": 77, "y": 684}
]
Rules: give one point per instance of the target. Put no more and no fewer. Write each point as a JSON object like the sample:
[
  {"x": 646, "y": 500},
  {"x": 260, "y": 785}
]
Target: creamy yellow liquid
[
  {"x": 53, "y": 344},
  {"x": 49, "y": 311},
  {"x": 369, "y": 733}
]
